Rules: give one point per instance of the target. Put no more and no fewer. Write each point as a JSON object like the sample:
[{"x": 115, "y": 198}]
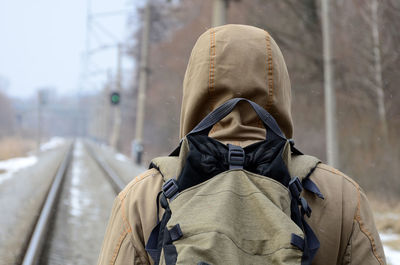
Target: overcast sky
[{"x": 42, "y": 43}]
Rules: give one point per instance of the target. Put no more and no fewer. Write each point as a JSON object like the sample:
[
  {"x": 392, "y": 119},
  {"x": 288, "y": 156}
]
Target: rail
[
  {"x": 35, "y": 245},
  {"x": 116, "y": 181}
]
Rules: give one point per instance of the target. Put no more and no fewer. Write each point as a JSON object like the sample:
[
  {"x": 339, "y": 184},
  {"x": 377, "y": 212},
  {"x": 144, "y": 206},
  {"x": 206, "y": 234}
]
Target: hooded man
[{"x": 238, "y": 61}]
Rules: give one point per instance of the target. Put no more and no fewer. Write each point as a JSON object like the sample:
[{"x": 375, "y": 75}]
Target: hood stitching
[
  {"x": 211, "y": 78},
  {"x": 270, "y": 72}
]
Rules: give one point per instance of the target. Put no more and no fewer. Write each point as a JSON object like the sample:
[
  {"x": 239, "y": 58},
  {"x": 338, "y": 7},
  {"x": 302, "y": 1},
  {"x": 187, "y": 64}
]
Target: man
[{"x": 237, "y": 61}]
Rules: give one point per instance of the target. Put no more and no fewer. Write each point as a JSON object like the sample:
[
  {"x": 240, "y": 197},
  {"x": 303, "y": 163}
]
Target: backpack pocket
[{"x": 237, "y": 217}]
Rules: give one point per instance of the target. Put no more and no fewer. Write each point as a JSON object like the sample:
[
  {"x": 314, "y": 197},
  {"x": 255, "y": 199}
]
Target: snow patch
[
  {"x": 53, "y": 143},
  {"x": 77, "y": 172},
  {"x": 392, "y": 255},
  {"x": 117, "y": 156},
  {"x": 13, "y": 165},
  {"x": 383, "y": 216},
  {"x": 121, "y": 157},
  {"x": 78, "y": 199},
  {"x": 388, "y": 237}
]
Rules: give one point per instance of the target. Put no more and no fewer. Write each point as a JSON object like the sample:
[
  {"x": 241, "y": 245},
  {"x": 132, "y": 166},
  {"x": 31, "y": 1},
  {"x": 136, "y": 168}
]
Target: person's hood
[{"x": 236, "y": 61}]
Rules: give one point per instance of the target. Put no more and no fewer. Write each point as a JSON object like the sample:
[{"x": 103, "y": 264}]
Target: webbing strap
[
  {"x": 175, "y": 232},
  {"x": 310, "y": 243},
  {"x": 160, "y": 237},
  {"x": 222, "y": 111},
  {"x": 170, "y": 252},
  {"x": 159, "y": 233},
  {"x": 309, "y": 185},
  {"x": 297, "y": 241},
  {"x": 152, "y": 244}
]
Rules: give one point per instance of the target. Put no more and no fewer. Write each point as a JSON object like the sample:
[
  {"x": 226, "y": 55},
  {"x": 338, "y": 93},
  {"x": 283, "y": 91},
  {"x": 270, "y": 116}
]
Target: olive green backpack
[{"x": 230, "y": 205}]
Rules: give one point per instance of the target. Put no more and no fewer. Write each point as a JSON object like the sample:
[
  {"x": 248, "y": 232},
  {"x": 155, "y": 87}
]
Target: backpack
[{"x": 230, "y": 205}]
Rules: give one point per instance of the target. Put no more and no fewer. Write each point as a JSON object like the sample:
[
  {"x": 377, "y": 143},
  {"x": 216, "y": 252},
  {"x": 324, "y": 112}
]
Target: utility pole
[
  {"x": 143, "y": 71},
  {"x": 43, "y": 95},
  {"x": 117, "y": 108},
  {"x": 39, "y": 121},
  {"x": 380, "y": 94},
  {"x": 107, "y": 130},
  {"x": 219, "y": 12},
  {"x": 330, "y": 97},
  {"x": 105, "y": 108},
  {"x": 88, "y": 32}
]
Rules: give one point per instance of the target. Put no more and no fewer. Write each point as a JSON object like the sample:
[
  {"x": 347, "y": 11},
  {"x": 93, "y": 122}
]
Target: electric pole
[
  {"x": 219, "y": 12},
  {"x": 105, "y": 108},
  {"x": 117, "y": 107},
  {"x": 330, "y": 97},
  {"x": 143, "y": 71},
  {"x": 43, "y": 96},
  {"x": 380, "y": 94},
  {"x": 39, "y": 120}
]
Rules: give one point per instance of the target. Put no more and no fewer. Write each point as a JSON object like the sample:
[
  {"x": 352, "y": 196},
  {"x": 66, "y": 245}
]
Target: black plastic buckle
[
  {"x": 235, "y": 156},
  {"x": 170, "y": 188},
  {"x": 295, "y": 187}
]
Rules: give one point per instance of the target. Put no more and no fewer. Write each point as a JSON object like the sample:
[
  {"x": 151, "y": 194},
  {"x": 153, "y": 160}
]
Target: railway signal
[{"x": 115, "y": 98}]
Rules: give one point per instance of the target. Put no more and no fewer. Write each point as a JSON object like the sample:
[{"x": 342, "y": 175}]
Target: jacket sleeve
[
  {"x": 133, "y": 216},
  {"x": 364, "y": 246},
  {"x": 118, "y": 247}
]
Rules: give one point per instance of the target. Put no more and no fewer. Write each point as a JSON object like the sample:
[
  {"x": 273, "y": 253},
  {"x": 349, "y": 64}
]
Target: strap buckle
[
  {"x": 235, "y": 156},
  {"x": 170, "y": 188}
]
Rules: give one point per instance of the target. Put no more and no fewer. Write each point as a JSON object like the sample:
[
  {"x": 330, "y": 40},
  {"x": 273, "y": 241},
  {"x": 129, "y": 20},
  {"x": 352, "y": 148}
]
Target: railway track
[
  {"x": 72, "y": 222},
  {"x": 35, "y": 245},
  {"x": 117, "y": 183}
]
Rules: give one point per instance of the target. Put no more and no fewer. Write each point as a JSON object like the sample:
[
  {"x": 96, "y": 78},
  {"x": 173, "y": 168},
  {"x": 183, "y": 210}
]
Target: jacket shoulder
[
  {"x": 132, "y": 215},
  {"x": 339, "y": 190},
  {"x": 330, "y": 178},
  {"x": 346, "y": 212},
  {"x": 146, "y": 178},
  {"x": 139, "y": 208}
]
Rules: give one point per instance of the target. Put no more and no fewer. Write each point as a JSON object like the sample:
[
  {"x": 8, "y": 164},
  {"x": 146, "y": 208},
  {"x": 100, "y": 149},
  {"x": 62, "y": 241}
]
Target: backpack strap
[
  {"x": 170, "y": 168},
  {"x": 299, "y": 208},
  {"x": 302, "y": 166}
]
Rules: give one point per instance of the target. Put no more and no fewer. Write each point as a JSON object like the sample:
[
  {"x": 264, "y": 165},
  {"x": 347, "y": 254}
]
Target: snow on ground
[
  {"x": 392, "y": 255},
  {"x": 53, "y": 143},
  {"x": 13, "y": 165},
  {"x": 10, "y": 166},
  {"x": 79, "y": 200},
  {"x": 121, "y": 157},
  {"x": 117, "y": 156}
]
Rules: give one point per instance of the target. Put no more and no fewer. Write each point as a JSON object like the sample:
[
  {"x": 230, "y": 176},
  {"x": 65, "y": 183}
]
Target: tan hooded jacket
[{"x": 244, "y": 61}]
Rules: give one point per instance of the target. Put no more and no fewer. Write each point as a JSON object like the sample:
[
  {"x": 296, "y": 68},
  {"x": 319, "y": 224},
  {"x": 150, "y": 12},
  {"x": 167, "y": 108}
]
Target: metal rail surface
[
  {"x": 35, "y": 245},
  {"x": 116, "y": 181}
]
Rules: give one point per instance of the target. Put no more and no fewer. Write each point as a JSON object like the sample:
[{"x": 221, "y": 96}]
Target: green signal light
[{"x": 115, "y": 98}]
